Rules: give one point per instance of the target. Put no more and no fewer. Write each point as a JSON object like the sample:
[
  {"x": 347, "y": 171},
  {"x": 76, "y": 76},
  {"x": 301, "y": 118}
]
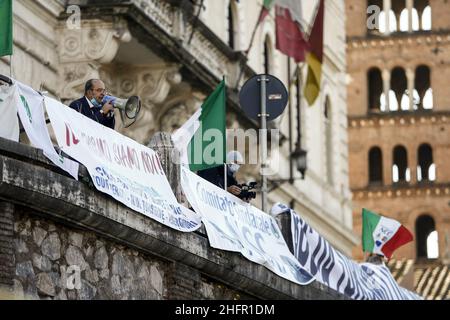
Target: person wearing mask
[
  {"x": 92, "y": 106},
  {"x": 216, "y": 175}
]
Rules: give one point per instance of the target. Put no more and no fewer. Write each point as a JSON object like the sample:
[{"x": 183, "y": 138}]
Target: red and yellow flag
[{"x": 314, "y": 58}]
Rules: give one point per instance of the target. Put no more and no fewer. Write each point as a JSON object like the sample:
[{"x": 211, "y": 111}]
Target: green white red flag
[{"x": 381, "y": 235}]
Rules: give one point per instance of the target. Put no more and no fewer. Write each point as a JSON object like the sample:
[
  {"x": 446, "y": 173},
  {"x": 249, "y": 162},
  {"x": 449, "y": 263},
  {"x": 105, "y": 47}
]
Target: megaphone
[{"x": 129, "y": 107}]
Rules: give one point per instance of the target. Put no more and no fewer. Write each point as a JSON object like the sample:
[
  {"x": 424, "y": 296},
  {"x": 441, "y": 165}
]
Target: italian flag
[
  {"x": 201, "y": 141},
  {"x": 267, "y": 6},
  {"x": 381, "y": 235}
]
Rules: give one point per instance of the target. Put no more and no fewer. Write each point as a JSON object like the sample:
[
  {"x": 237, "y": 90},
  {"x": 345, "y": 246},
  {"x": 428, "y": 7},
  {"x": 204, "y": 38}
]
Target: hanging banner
[
  {"x": 120, "y": 167},
  {"x": 31, "y": 113},
  {"x": 235, "y": 225},
  {"x": 364, "y": 281},
  {"x": 9, "y": 123}
]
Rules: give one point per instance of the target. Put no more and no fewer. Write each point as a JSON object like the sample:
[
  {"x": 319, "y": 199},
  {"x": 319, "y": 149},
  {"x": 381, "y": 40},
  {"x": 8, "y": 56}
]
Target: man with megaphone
[{"x": 94, "y": 106}]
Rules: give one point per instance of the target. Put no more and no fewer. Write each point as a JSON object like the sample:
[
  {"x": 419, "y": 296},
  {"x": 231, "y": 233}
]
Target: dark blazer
[
  {"x": 82, "y": 105},
  {"x": 215, "y": 176}
]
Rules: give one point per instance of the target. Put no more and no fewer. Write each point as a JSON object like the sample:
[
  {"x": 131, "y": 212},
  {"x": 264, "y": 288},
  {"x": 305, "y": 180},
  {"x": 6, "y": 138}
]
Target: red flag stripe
[
  {"x": 316, "y": 35},
  {"x": 290, "y": 39},
  {"x": 401, "y": 237}
]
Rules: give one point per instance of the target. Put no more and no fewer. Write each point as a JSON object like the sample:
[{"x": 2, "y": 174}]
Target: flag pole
[
  {"x": 225, "y": 186},
  {"x": 10, "y": 65},
  {"x": 246, "y": 52}
]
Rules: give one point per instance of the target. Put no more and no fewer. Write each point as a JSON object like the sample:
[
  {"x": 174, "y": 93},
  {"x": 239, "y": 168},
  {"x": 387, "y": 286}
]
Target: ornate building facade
[
  {"x": 172, "y": 53},
  {"x": 399, "y": 118}
]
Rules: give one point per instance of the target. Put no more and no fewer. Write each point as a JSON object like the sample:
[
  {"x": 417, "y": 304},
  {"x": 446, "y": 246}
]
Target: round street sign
[{"x": 276, "y": 97}]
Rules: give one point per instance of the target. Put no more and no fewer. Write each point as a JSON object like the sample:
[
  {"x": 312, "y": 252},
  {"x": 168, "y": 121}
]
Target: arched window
[
  {"x": 232, "y": 25},
  {"x": 392, "y": 21},
  {"x": 426, "y": 170},
  {"x": 419, "y": 7},
  {"x": 427, "y": 245},
  {"x": 422, "y": 84},
  {"x": 375, "y": 166},
  {"x": 397, "y": 9},
  {"x": 375, "y": 89},
  {"x": 379, "y": 8},
  {"x": 400, "y": 170},
  {"x": 403, "y": 22},
  {"x": 329, "y": 140},
  {"x": 399, "y": 85},
  {"x": 426, "y": 19},
  {"x": 267, "y": 55}
]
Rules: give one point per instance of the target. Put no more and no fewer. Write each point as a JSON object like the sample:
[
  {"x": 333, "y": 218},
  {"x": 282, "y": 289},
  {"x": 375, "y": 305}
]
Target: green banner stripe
[{"x": 370, "y": 222}]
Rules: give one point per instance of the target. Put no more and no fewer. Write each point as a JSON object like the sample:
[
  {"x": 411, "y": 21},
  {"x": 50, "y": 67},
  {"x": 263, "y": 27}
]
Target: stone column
[
  {"x": 410, "y": 76},
  {"x": 409, "y": 7},
  {"x": 386, "y": 75},
  {"x": 387, "y": 164},
  {"x": 387, "y": 10},
  {"x": 162, "y": 144},
  {"x": 7, "y": 268},
  {"x": 412, "y": 162}
]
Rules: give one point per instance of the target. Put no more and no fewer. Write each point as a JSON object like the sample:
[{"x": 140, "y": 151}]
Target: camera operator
[
  {"x": 216, "y": 175},
  {"x": 92, "y": 104}
]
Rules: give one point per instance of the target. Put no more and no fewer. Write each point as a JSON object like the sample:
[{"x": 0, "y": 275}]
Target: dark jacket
[
  {"x": 215, "y": 176},
  {"x": 82, "y": 105}
]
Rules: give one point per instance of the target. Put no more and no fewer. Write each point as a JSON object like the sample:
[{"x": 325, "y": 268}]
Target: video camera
[{"x": 246, "y": 194}]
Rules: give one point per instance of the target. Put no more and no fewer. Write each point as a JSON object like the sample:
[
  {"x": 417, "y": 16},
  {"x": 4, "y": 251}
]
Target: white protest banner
[
  {"x": 9, "y": 123},
  {"x": 235, "y": 225},
  {"x": 31, "y": 112},
  {"x": 365, "y": 281},
  {"x": 120, "y": 167}
]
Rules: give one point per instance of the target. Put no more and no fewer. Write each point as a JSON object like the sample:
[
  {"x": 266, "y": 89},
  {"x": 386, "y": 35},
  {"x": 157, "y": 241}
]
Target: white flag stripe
[
  {"x": 384, "y": 231},
  {"x": 184, "y": 134}
]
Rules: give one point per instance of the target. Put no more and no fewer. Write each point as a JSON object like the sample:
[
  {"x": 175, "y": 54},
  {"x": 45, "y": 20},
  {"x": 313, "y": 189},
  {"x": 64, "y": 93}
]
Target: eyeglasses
[{"x": 100, "y": 90}]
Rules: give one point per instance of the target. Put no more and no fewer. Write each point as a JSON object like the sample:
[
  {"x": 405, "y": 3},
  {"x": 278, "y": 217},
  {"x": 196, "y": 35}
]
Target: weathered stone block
[
  {"x": 51, "y": 247},
  {"x": 101, "y": 258},
  {"x": 39, "y": 235},
  {"x": 74, "y": 257},
  {"x": 25, "y": 270},
  {"x": 87, "y": 291},
  {"x": 45, "y": 284},
  {"x": 76, "y": 239},
  {"x": 42, "y": 263}
]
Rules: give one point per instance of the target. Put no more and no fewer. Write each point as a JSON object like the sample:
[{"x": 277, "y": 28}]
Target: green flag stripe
[
  {"x": 6, "y": 28},
  {"x": 206, "y": 151},
  {"x": 268, "y": 4},
  {"x": 370, "y": 221}
]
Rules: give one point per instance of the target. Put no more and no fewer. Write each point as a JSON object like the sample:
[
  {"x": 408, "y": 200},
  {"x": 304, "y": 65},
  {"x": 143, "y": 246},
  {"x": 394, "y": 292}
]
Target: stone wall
[
  {"x": 61, "y": 239},
  {"x": 56, "y": 262}
]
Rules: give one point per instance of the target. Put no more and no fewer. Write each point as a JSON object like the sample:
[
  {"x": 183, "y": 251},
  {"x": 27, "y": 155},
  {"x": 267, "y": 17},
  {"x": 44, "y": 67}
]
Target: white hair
[{"x": 234, "y": 156}]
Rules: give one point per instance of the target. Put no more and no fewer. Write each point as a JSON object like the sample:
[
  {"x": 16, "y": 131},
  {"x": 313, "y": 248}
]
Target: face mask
[
  {"x": 95, "y": 102},
  {"x": 234, "y": 168}
]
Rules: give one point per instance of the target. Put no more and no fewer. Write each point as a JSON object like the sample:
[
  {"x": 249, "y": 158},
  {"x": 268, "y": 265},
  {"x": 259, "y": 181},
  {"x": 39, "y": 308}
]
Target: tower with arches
[{"x": 399, "y": 119}]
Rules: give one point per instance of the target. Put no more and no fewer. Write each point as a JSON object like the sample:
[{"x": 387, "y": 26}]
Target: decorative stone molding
[
  {"x": 387, "y": 119},
  {"x": 170, "y": 19},
  {"x": 83, "y": 51},
  {"x": 412, "y": 191},
  {"x": 152, "y": 83},
  {"x": 401, "y": 39}
]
